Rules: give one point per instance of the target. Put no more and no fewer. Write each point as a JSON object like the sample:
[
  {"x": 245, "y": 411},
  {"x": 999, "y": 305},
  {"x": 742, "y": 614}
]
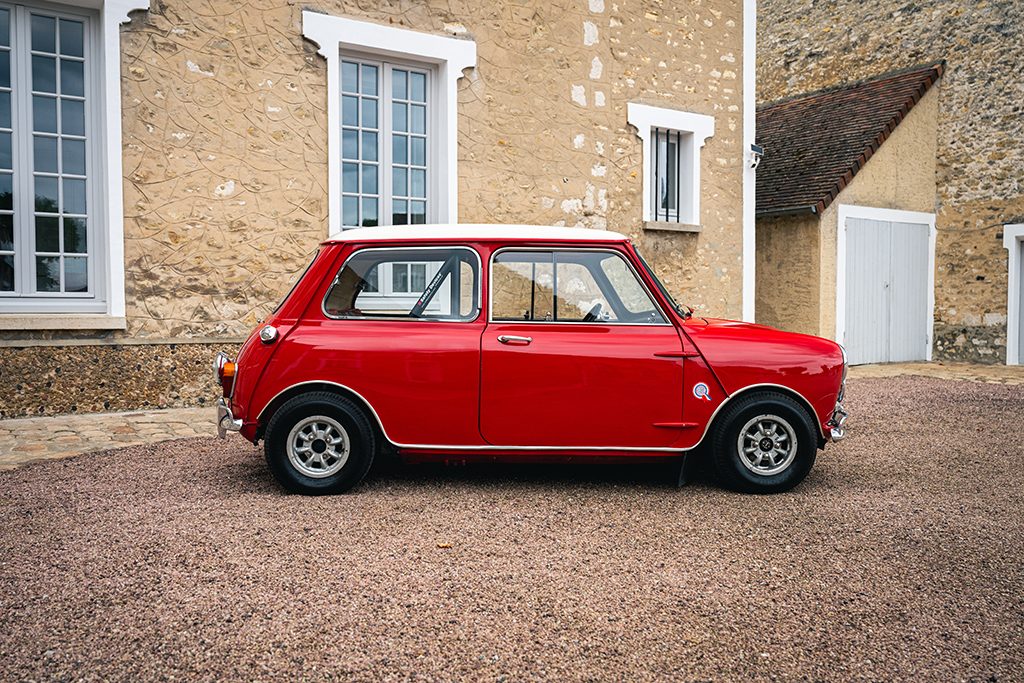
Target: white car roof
[{"x": 475, "y": 231}]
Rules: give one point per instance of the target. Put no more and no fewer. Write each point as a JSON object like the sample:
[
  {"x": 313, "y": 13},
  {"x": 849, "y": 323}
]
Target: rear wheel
[
  {"x": 763, "y": 443},
  {"x": 319, "y": 443}
]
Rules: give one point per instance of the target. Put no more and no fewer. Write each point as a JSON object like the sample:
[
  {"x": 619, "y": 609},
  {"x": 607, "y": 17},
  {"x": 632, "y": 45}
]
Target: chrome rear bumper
[{"x": 226, "y": 422}]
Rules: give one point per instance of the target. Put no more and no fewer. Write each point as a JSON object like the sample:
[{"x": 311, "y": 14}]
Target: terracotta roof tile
[{"x": 816, "y": 143}]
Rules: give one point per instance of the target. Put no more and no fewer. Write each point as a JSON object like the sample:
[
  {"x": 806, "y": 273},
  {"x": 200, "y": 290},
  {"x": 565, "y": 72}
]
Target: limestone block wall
[
  {"x": 805, "y": 45},
  {"x": 225, "y": 152}
]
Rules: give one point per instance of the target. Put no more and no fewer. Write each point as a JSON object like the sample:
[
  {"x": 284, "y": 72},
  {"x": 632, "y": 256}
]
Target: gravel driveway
[{"x": 900, "y": 558}]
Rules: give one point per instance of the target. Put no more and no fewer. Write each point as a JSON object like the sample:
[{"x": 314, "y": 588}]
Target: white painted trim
[
  {"x": 1013, "y": 240},
  {"x": 479, "y": 231},
  {"x": 451, "y": 56},
  {"x": 644, "y": 117},
  {"x": 846, "y": 211},
  {"x": 749, "y": 173}
]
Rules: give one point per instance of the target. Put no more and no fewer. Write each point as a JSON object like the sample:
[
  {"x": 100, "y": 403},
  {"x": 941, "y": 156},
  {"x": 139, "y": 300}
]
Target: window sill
[
  {"x": 667, "y": 226},
  {"x": 61, "y": 322}
]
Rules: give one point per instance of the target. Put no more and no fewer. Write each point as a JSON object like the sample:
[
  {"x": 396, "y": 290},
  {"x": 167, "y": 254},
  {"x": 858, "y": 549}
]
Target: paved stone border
[{"x": 971, "y": 372}]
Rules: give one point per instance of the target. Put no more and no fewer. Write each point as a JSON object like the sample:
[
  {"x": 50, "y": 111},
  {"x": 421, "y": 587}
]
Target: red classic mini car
[{"x": 517, "y": 342}]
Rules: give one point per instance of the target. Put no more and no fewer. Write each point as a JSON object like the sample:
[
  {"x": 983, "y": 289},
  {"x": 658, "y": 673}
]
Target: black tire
[
  {"x": 343, "y": 412},
  {"x": 729, "y": 468}
]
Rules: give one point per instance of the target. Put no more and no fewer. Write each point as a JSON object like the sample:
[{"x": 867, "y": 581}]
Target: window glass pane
[
  {"x": 350, "y": 211},
  {"x": 6, "y": 185},
  {"x": 74, "y": 195},
  {"x": 75, "y": 240},
  {"x": 522, "y": 286},
  {"x": 419, "y": 118},
  {"x": 418, "y": 213},
  {"x": 46, "y": 194},
  {"x": 47, "y": 235},
  {"x": 6, "y": 161},
  {"x": 579, "y": 296},
  {"x": 631, "y": 293},
  {"x": 5, "y": 27},
  {"x": 399, "y": 117},
  {"x": 369, "y": 146},
  {"x": 350, "y": 110},
  {"x": 399, "y": 182},
  {"x": 369, "y": 179},
  {"x": 399, "y": 211},
  {"x": 44, "y": 34},
  {"x": 349, "y": 77},
  {"x": 47, "y": 273},
  {"x": 73, "y": 156},
  {"x": 398, "y": 83},
  {"x": 72, "y": 40},
  {"x": 44, "y": 115},
  {"x": 369, "y": 113},
  {"x": 7, "y": 273},
  {"x": 72, "y": 117},
  {"x": 369, "y": 78},
  {"x": 6, "y": 232},
  {"x": 5, "y": 69},
  {"x": 419, "y": 182},
  {"x": 5, "y": 110},
  {"x": 44, "y": 152},
  {"x": 419, "y": 151},
  {"x": 349, "y": 144},
  {"x": 408, "y": 275},
  {"x": 72, "y": 78},
  {"x": 76, "y": 274},
  {"x": 418, "y": 87},
  {"x": 399, "y": 154},
  {"x": 370, "y": 212},
  {"x": 44, "y": 74},
  {"x": 350, "y": 178}
]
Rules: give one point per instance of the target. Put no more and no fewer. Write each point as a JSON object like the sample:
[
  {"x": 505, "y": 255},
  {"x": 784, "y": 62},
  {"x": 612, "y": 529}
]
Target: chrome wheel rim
[
  {"x": 767, "y": 445},
  {"x": 318, "y": 446}
]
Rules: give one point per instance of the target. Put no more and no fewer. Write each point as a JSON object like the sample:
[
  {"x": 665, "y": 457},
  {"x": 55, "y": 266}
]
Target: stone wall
[
  {"x": 805, "y": 45},
  {"x": 789, "y": 273}
]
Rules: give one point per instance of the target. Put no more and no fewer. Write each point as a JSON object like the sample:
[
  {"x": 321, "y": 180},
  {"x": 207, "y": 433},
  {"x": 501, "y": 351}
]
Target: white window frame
[
  {"x": 105, "y": 307},
  {"x": 846, "y": 211},
  {"x": 695, "y": 129},
  {"x": 448, "y": 56},
  {"x": 1013, "y": 240}
]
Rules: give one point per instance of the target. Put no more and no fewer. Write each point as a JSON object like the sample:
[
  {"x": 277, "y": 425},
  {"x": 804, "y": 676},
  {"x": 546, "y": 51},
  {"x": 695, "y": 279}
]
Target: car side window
[
  {"x": 415, "y": 284},
  {"x": 584, "y": 286}
]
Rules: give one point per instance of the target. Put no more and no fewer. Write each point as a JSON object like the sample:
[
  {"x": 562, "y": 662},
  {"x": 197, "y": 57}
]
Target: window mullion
[
  {"x": 386, "y": 151},
  {"x": 21, "y": 147}
]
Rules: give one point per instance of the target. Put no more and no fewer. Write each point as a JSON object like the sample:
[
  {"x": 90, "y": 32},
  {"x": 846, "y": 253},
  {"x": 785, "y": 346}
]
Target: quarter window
[
  {"x": 424, "y": 284},
  {"x": 48, "y": 242},
  {"x": 568, "y": 286}
]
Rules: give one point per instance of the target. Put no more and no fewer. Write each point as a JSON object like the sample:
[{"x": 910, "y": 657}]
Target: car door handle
[{"x": 512, "y": 339}]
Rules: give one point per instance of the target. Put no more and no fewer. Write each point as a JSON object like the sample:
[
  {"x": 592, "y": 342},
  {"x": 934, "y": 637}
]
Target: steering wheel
[{"x": 592, "y": 314}]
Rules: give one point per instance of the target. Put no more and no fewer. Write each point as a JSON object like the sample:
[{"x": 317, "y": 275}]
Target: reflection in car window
[
  {"x": 587, "y": 286},
  {"x": 429, "y": 284}
]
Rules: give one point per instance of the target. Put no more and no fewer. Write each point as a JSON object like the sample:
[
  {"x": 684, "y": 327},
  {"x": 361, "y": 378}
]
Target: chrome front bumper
[
  {"x": 226, "y": 422},
  {"x": 836, "y": 423}
]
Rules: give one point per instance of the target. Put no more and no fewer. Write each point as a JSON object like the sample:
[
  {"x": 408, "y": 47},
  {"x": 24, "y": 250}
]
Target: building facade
[
  {"x": 173, "y": 166},
  {"x": 805, "y": 46}
]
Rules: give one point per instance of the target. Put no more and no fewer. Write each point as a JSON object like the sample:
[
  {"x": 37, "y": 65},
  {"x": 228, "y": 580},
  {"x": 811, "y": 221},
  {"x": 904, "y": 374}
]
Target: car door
[{"x": 576, "y": 353}]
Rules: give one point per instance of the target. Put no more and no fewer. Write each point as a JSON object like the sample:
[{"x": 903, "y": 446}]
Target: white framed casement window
[
  {"x": 397, "y": 89},
  {"x": 61, "y": 219},
  {"x": 672, "y": 140},
  {"x": 386, "y": 144}
]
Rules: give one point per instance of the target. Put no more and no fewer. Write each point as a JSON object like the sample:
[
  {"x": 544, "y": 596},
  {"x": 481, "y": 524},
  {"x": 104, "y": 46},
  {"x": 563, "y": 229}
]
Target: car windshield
[{"x": 681, "y": 309}]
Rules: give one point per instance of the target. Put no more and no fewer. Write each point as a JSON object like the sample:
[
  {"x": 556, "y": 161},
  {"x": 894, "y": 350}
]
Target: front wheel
[
  {"x": 319, "y": 443},
  {"x": 763, "y": 443}
]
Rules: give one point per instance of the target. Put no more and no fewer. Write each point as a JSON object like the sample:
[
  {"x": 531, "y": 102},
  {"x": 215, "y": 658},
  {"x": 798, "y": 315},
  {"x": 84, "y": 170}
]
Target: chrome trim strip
[
  {"x": 490, "y": 290},
  {"x": 363, "y": 250},
  {"x": 383, "y": 431}
]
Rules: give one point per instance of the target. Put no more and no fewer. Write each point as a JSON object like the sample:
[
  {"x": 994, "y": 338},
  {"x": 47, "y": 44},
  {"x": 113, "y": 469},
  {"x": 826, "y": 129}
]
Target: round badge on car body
[{"x": 268, "y": 334}]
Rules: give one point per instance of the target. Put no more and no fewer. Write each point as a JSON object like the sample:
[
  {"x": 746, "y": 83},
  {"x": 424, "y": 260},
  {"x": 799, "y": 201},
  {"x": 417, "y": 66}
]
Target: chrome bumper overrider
[
  {"x": 836, "y": 423},
  {"x": 226, "y": 422}
]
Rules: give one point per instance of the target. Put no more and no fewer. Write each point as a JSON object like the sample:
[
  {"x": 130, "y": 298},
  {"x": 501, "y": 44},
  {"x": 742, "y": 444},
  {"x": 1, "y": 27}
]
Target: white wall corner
[
  {"x": 450, "y": 55},
  {"x": 1013, "y": 239},
  {"x": 749, "y": 174},
  {"x": 113, "y": 14},
  {"x": 644, "y": 117}
]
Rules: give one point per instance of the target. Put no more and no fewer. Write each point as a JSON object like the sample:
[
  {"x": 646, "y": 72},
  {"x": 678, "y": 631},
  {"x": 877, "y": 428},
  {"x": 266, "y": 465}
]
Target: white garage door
[{"x": 887, "y": 302}]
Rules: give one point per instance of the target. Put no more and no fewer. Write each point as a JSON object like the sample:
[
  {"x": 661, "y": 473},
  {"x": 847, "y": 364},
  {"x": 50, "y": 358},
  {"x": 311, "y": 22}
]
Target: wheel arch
[
  {"x": 263, "y": 419},
  {"x": 764, "y": 388}
]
